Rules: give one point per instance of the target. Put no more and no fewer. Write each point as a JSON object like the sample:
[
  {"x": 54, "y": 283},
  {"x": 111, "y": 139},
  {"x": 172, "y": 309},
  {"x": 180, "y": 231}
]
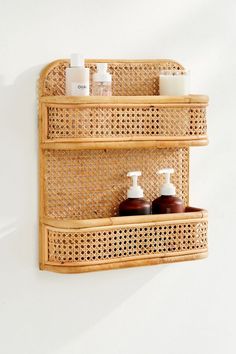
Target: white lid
[
  {"x": 76, "y": 59},
  {"x": 167, "y": 188},
  {"x": 135, "y": 191},
  {"x": 102, "y": 75}
]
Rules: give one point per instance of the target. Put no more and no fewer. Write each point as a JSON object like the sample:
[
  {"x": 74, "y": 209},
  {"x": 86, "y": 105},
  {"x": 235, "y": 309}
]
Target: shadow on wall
[
  {"x": 49, "y": 310},
  {"x": 18, "y": 187},
  {"x": 52, "y": 310},
  {"x": 19, "y": 147}
]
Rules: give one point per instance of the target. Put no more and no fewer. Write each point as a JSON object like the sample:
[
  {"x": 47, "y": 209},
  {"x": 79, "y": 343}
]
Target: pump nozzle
[
  {"x": 76, "y": 60},
  {"x": 135, "y": 191},
  {"x": 102, "y": 67},
  {"x": 102, "y": 75},
  {"x": 167, "y": 188}
]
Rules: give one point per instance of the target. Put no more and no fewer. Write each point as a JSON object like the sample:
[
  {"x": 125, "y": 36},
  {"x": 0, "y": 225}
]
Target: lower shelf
[{"x": 74, "y": 246}]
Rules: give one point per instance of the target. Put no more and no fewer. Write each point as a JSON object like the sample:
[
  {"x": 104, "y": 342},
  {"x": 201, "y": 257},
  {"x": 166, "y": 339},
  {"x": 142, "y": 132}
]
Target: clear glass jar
[{"x": 101, "y": 88}]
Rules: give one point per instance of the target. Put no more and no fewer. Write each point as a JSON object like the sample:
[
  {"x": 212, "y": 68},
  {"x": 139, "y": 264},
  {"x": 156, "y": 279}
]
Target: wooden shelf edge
[
  {"x": 193, "y": 214},
  {"x": 123, "y": 264},
  {"x": 125, "y": 144},
  {"x": 126, "y": 100}
]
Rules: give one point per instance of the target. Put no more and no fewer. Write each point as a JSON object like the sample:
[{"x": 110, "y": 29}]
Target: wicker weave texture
[
  {"x": 90, "y": 184},
  {"x": 114, "y": 122},
  {"x": 83, "y": 179},
  {"x": 128, "y": 78},
  {"x": 125, "y": 242}
]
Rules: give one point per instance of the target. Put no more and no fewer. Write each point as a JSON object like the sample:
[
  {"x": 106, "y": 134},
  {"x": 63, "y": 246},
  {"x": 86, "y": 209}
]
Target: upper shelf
[
  {"x": 136, "y": 116},
  {"x": 119, "y": 121}
]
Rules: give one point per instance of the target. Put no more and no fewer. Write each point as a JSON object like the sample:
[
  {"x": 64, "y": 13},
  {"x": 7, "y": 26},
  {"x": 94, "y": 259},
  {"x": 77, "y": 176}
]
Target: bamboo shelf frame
[
  {"x": 72, "y": 246},
  {"x": 87, "y": 143},
  {"x": 141, "y": 121}
]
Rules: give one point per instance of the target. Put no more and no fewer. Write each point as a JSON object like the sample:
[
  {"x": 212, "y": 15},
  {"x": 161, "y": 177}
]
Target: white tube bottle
[
  {"x": 77, "y": 77},
  {"x": 102, "y": 81}
]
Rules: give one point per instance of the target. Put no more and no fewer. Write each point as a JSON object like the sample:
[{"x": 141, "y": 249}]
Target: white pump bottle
[
  {"x": 135, "y": 204},
  {"x": 77, "y": 77},
  {"x": 135, "y": 191},
  {"x": 167, "y": 188},
  {"x": 167, "y": 202},
  {"x": 102, "y": 81}
]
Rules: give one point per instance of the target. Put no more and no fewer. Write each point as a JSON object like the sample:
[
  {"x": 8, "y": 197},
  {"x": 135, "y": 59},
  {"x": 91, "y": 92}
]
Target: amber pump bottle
[
  {"x": 135, "y": 204},
  {"x": 167, "y": 202}
]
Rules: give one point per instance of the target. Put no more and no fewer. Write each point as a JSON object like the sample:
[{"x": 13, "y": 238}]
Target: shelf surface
[
  {"x": 190, "y": 213},
  {"x": 98, "y": 145},
  {"x": 113, "y": 100}
]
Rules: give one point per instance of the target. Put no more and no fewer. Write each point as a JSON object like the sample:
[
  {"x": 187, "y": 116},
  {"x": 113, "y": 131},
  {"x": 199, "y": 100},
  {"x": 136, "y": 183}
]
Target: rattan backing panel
[
  {"x": 127, "y": 242},
  {"x": 90, "y": 184},
  {"x": 134, "y": 121},
  {"x": 131, "y": 78}
]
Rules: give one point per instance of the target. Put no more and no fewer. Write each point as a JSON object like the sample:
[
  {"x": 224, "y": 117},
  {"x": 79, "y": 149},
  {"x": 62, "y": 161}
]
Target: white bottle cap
[
  {"x": 76, "y": 60},
  {"x": 102, "y": 75},
  {"x": 167, "y": 188},
  {"x": 135, "y": 191}
]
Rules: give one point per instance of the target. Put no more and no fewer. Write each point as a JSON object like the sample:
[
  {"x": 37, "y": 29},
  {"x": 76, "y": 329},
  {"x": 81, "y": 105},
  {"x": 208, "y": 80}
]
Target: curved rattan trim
[
  {"x": 120, "y": 265},
  {"x": 124, "y": 100},
  {"x": 130, "y": 77},
  {"x": 124, "y": 242},
  {"x": 116, "y": 144},
  {"x": 191, "y": 213}
]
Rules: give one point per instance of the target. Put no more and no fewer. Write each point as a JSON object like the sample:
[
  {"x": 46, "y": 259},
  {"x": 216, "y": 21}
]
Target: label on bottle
[{"x": 79, "y": 89}]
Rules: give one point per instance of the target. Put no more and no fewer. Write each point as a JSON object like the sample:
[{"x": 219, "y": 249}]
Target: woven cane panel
[
  {"x": 87, "y": 184},
  {"x": 128, "y": 79},
  {"x": 126, "y": 242},
  {"x": 126, "y": 121}
]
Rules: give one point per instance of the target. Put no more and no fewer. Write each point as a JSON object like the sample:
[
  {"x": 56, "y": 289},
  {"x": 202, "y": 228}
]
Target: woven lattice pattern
[
  {"x": 89, "y": 184},
  {"x": 126, "y": 242},
  {"x": 129, "y": 79},
  {"x": 120, "y": 122}
]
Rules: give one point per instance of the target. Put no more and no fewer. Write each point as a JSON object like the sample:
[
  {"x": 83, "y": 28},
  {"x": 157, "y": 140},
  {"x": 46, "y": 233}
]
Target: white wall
[{"x": 180, "y": 308}]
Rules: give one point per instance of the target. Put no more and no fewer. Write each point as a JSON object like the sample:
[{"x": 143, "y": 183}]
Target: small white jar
[{"x": 174, "y": 82}]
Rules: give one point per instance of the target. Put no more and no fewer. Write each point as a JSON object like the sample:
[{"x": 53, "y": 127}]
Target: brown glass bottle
[
  {"x": 134, "y": 206},
  {"x": 167, "y": 204}
]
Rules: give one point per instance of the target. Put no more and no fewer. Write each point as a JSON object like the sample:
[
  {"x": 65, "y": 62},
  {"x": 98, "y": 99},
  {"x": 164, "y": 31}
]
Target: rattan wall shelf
[{"x": 87, "y": 145}]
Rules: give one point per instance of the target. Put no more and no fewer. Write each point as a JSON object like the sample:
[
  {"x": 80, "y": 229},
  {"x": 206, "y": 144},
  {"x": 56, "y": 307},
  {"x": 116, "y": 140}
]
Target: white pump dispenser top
[
  {"x": 167, "y": 188},
  {"x": 135, "y": 191},
  {"x": 102, "y": 75},
  {"x": 76, "y": 60}
]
